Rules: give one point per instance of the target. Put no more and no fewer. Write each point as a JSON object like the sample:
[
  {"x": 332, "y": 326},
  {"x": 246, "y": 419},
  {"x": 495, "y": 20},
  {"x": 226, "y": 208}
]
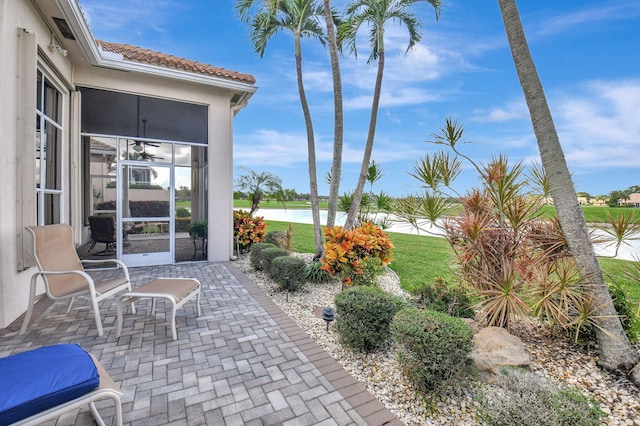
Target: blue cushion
[{"x": 34, "y": 381}]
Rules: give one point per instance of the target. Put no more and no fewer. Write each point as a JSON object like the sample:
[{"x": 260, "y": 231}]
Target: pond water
[{"x": 626, "y": 252}]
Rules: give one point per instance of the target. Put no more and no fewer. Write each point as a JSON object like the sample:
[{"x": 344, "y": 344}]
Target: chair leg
[
  {"x": 119, "y": 318},
  {"x": 98, "y": 418},
  {"x": 70, "y": 304},
  {"x": 96, "y": 415},
  {"x": 133, "y": 304},
  {"x": 174, "y": 333},
  {"x": 198, "y": 302},
  {"x": 96, "y": 312},
  {"x": 93, "y": 244},
  {"x": 32, "y": 296}
]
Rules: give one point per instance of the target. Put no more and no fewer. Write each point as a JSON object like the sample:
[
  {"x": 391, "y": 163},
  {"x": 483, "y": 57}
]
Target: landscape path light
[{"x": 328, "y": 315}]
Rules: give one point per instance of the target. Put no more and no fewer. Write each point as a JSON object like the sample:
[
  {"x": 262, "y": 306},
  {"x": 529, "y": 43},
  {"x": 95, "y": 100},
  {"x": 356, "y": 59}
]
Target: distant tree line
[
  {"x": 286, "y": 195},
  {"x": 616, "y": 195}
]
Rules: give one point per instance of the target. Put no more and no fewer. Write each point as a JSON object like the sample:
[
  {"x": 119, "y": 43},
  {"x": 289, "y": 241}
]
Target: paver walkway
[{"x": 242, "y": 362}]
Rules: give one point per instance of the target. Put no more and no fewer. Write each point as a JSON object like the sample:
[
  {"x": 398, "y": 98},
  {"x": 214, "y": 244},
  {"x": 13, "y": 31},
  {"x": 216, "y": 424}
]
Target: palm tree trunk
[
  {"x": 366, "y": 159},
  {"x": 311, "y": 152},
  {"x": 615, "y": 349},
  {"x": 336, "y": 165}
]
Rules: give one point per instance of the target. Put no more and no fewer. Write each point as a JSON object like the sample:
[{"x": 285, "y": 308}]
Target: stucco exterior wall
[{"x": 16, "y": 15}]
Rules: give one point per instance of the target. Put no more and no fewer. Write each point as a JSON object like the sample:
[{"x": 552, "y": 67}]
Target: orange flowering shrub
[
  {"x": 247, "y": 229},
  {"x": 350, "y": 254}
]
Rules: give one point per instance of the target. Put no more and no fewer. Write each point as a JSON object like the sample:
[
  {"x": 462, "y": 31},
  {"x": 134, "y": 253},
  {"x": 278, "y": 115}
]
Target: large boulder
[{"x": 494, "y": 348}]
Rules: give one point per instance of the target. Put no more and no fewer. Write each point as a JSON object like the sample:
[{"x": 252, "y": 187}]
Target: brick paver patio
[{"x": 242, "y": 362}]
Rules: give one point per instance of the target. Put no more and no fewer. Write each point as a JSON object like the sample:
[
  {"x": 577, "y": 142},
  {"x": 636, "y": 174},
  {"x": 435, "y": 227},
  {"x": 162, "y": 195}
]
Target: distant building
[{"x": 633, "y": 201}]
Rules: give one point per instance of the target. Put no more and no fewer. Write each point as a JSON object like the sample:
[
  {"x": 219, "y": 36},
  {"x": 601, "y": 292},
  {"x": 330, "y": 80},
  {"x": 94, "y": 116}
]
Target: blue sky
[{"x": 586, "y": 52}]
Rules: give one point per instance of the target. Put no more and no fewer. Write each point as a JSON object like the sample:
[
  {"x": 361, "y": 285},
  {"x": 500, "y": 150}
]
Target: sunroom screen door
[{"x": 144, "y": 215}]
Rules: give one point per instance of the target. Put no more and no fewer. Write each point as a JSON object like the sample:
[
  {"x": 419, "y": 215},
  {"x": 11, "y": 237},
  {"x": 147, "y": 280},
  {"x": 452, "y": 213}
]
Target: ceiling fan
[
  {"x": 139, "y": 146},
  {"x": 145, "y": 156}
]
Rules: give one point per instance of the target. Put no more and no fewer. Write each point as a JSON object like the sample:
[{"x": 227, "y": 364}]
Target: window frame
[{"x": 43, "y": 189}]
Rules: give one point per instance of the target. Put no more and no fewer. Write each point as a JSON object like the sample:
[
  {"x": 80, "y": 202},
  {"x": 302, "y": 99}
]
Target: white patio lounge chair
[
  {"x": 41, "y": 384},
  {"x": 63, "y": 273}
]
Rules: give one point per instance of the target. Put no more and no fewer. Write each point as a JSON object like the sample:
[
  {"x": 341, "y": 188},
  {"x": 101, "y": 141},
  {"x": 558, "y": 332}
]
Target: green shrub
[
  {"x": 371, "y": 269},
  {"x": 182, "y": 224},
  {"x": 254, "y": 255},
  {"x": 443, "y": 297},
  {"x": 316, "y": 274},
  {"x": 292, "y": 268},
  {"x": 364, "y": 315},
  {"x": 148, "y": 208},
  {"x": 276, "y": 238},
  {"x": 268, "y": 254},
  {"x": 522, "y": 397},
  {"x": 625, "y": 310},
  {"x": 434, "y": 347},
  {"x": 183, "y": 212}
]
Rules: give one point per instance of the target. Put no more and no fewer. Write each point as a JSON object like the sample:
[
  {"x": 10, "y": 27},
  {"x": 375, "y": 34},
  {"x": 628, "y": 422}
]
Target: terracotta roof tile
[{"x": 146, "y": 56}]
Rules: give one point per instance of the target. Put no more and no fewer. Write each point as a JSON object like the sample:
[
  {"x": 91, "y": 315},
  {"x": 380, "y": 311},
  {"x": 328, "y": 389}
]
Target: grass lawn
[
  {"x": 595, "y": 213},
  {"x": 416, "y": 258}
]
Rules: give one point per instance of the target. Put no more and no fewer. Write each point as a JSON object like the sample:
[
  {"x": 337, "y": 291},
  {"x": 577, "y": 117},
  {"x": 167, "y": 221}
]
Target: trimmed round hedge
[
  {"x": 267, "y": 256},
  {"x": 292, "y": 268},
  {"x": 364, "y": 315},
  {"x": 434, "y": 347},
  {"x": 254, "y": 255}
]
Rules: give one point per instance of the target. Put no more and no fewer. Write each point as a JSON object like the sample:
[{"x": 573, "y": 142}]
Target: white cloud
[
  {"x": 590, "y": 17},
  {"x": 600, "y": 128},
  {"x": 596, "y": 122},
  {"x": 516, "y": 110},
  {"x": 274, "y": 148},
  {"x": 280, "y": 149}
]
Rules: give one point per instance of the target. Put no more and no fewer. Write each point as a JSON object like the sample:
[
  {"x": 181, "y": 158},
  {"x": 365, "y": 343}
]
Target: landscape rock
[
  {"x": 473, "y": 324},
  {"x": 494, "y": 348},
  {"x": 634, "y": 375}
]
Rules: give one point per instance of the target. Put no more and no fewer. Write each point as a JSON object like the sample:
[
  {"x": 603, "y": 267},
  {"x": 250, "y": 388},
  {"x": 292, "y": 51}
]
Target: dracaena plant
[{"x": 517, "y": 260}]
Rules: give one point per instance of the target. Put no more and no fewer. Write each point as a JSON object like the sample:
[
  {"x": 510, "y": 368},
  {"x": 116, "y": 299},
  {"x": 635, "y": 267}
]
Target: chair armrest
[
  {"x": 81, "y": 273},
  {"x": 118, "y": 263}
]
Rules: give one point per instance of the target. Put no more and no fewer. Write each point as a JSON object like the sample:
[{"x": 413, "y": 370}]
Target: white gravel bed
[{"x": 379, "y": 373}]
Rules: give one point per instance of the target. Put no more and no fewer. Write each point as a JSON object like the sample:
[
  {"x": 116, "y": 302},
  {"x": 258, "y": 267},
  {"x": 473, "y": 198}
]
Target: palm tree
[
  {"x": 244, "y": 10},
  {"x": 376, "y": 13},
  {"x": 374, "y": 174},
  {"x": 256, "y": 185},
  {"x": 615, "y": 349},
  {"x": 302, "y": 18},
  {"x": 338, "y": 128}
]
